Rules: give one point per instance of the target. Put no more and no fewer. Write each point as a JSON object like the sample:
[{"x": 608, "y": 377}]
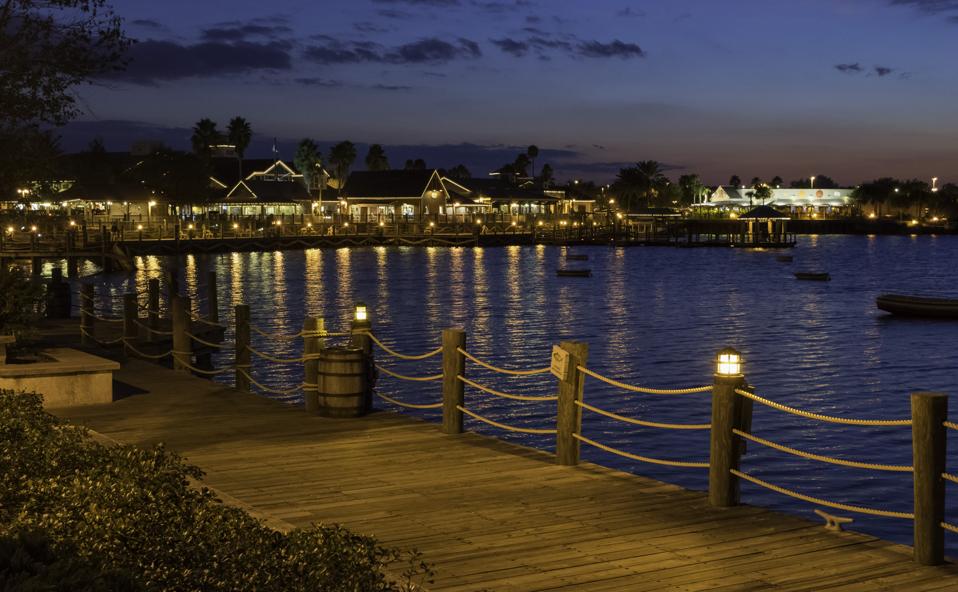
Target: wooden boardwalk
[{"x": 487, "y": 514}]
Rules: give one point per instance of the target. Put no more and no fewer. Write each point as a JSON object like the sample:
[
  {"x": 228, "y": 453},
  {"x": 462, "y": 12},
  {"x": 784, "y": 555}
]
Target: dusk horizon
[{"x": 749, "y": 89}]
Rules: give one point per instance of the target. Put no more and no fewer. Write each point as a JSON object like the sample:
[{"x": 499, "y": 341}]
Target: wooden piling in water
[
  {"x": 725, "y": 448},
  {"x": 929, "y": 411},
  {"x": 153, "y": 307},
  {"x": 213, "y": 297},
  {"x": 360, "y": 329},
  {"x": 313, "y": 328},
  {"x": 242, "y": 353},
  {"x": 568, "y": 414},
  {"x": 453, "y": 390},
  {"x": 86, "y": 314},
  {"x": 130, "y": 314},
  {"x": 182, "y": 344}
]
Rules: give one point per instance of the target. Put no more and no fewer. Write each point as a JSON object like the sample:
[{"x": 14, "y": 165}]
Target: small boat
[
  {"x": 918, "y": 306},
  {"x": 577, "y": 257},
  {"x": 784, "y": 258},
  {"x": 574, "y": 272},
  {"x": 813, "y": 276}
]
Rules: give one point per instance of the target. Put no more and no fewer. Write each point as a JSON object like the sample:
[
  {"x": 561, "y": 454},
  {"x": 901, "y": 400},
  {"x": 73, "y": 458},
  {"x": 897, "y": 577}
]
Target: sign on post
[{"x": 560, "y": 363}]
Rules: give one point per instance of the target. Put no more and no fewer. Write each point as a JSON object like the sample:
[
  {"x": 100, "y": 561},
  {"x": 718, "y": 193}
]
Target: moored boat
[
  {"x": 815, "y": 276},
  {"x": 918, "y": 306},
  {"x": 574, "y": 272}
]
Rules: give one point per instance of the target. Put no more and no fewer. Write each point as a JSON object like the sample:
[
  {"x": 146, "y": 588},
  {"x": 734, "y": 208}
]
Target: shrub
[
  {"x": 21, "y": 304},
  {"x": 134, "y": 510}
]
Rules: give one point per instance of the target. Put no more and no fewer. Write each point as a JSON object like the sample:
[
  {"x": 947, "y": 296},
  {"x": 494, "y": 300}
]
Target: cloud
[
  {"x": 883, "y": 71},
  {"x": 929, "y": 6},
  {"x": 148, "y": 24},
  {"x": 153, "y": 61},
  {"x": 849, "y": 68},
  {"x": 629, "y": 12},
  {"x": 430, "y": 50},
  {"x": 501, "y": 7},
  {"x": 420, "y": 2},
  {"x": 368, "y": 27},
  {"x": 244, "y": 31},
  {"x": 318, "y": 82},
  {"x": 511, "y": 46},
  {"x": 391, "y": 87},
  {"x": 615, "y": 49}
]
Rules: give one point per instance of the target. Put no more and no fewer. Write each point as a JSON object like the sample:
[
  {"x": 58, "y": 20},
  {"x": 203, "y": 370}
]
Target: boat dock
[{"x": 488, "y": 515}]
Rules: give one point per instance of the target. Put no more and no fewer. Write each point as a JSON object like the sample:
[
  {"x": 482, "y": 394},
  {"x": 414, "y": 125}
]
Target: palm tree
[
  {"x": 629, "y": 185},
  {"x": 376, "y": 158},
  {"x": 459, "y": 172},
  {"x": 546, "y": 175},
  {"x": 533, "y": 152},
  {"x": 777, "y": 181},
  {"x": 239, "y": 133},
  {"x": 521, "y": 164},
  {"x": 205, "y": 136},
  {"x": 342, "y": 156},
  {"x": 307, "y": 160},
  {"x": 734, "y": 181},
  {"x": 650, "y": 172}
]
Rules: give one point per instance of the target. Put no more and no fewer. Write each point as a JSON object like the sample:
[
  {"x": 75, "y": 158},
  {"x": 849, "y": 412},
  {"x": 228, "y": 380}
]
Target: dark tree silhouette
[
  {"x": 459, "y": 173},
  {"x": 239, "y": 134},
  {"x": 205, "y": 136},
  {"x": 376, "y": 158},
  {"x": 734, "y": 181},
  {"x": 308, "y": 161},
  {"x": 533, "y": 152},
  {"x": 342, "y": 156}
]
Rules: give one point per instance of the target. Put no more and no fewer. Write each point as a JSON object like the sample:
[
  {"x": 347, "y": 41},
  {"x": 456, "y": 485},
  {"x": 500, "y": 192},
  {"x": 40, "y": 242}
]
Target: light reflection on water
[{"x": 651, "y": 316}]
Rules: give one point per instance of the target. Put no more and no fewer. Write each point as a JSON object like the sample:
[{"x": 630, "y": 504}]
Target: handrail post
[
  {"x": 313, "y": 328},
  {"x": 182, "y": 346},
  {"x": 929, "y": 411},
  {"x": 129, "y": 320},
  {"x": 453, "y": 390},
  {"x": 211, "y": 293},
  {"x": 242, "y": 354},
  {"x": 360, "y": 328},
  {"x": 568, "y": 414},
  {"x": 153, "y": 306},
  {"x": 86, "y": 314},
  {"x": 725, "y": 450}
]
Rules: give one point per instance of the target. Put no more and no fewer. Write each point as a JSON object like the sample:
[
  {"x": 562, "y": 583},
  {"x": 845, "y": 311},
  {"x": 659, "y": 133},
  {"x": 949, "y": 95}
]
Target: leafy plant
[
  {"x": 135, "y": 510},
  {"x": 21, "y": 304}
]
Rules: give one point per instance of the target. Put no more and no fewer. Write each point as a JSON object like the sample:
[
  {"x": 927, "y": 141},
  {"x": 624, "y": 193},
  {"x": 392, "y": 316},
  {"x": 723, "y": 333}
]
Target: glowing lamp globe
[
  {"x": 361, "y": 314},
  {"x": 728, "y": 363}
]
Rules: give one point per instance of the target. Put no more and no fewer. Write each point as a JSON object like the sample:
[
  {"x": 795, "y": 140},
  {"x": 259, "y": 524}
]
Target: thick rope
[
  {"x": 410, "y": 378},
  {"x": 275, "y": 359},
  {"x": 145, "y": 355},
  {"x": 268, "y": 389},
  {"x": 107, "y": 319},
  {"x": 502, "y": 425},
  {"x": 100, "y": 341},
  {"x": 151, "y": 329},
  {"x": 210, "y": 343},
  {"x": 642, "y": 389},
  {"x": 393, "y": 352},
  {"x": 408, "y": 405},
  {"x": 821, "y": 502},
  {"x": 824, "y": 459},
  {"x": 275, "y": 336},
  {"x": 950, "y": 425},
  {"x": 641, "y": 422},
  {"x": 200, "y": 319},
  {"x": 201, "y": 370},
  {"x": 950, "y": 527},
  {"x": 949, "y": 477},
  {"x": 502, "y": 370},
  {"x": 645, "y": 459},
  {"x": 820, "y": 417},
  {"x": 502, "y": 394}
]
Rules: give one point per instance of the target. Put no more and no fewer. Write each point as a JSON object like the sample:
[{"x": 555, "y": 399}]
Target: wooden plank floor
[{"x": 487, "y": 514}]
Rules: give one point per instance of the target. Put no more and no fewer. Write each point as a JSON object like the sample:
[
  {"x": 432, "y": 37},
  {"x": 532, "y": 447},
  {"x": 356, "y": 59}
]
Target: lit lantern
[
  {"x": 72, "y": 223},
  {"x": 728, "y": 363},
  {"x": 431, "y": 224},
  {"x": 235, "y": 225},
  {"x": 381, "y": 223},
  {"x": 190, "y": 227},
  {"x": 139, "y": 227},
  {"x": 361, "y": 313}
]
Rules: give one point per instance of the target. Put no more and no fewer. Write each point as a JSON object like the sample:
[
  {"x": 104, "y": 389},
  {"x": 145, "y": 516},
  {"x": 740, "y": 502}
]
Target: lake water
[{"x": 653, "y": 317}]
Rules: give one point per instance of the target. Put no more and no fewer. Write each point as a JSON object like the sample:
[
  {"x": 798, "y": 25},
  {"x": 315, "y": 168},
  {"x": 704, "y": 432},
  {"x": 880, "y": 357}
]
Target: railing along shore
[{"x": 187, "y": 340}]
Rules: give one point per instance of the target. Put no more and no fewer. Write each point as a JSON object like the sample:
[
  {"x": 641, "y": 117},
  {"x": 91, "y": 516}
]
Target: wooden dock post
[
  {"x": 453, "y": 390},
  {"x": 727, "y": 414},
  {"x": 130, "y": 313},
  {"x": 313, "y": 328},
  {"x": 182, "y": 344},
  {"x": 929, "y": 411},
  {"x": 242, "y": 354},
  {"x": 213, "y": 297},
  {"x": 153, "y": 306},
  {"x": 86, "y": 314},
  {"x": 361, "y": 326},
  {"x": 568, "y": 414},
  {"x": 173, "y": 277}
]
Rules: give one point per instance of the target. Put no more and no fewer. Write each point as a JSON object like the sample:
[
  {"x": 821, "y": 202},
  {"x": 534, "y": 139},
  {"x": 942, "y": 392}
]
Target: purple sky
[{"x": 849, "y": 88}]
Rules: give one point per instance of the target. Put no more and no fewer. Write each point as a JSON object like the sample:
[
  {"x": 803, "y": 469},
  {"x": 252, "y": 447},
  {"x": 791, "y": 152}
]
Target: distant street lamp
[
  {"x": 934, "y": 184},
  {"x": 812, "y": 178}
]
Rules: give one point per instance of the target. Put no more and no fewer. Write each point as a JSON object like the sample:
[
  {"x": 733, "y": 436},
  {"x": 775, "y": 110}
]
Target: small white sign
[{"x": 560, "y": 363}]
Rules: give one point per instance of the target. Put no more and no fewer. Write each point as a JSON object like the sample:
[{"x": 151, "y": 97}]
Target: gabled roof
[
  {"x": 226, "y": 170},
  {"x": 256, "y": 191},
  {"x": 763, "y": 213},
  {"x": 495, "y": 190},
  {"x": 398, "y": 183}
]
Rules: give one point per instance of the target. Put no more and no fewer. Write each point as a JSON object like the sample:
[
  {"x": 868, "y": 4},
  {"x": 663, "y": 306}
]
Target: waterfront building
[
  {"x": 401, "y": 194},
  {"x": 276, "y": 190},
  {"x": 499, "y": 196},
  {"x": 808, "y": 202}
]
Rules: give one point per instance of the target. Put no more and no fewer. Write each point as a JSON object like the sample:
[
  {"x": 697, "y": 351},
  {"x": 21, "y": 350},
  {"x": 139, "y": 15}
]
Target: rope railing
[
  {"x": 820, "y": 417},
  {"x": 106, "y": 319},
  {"x": 822, "y": 502},
  {"x": 642, "y": 389},
  {"x": 503, "y": 426},
  {"x": 822, "y": 458},
  {"x": 193, "y": 368},
  {"x": 642, "y": 422},
  {"x": 409, "y": 378},
  {"x": 502, "y": 370},
  {"x": 950, "y": 425},
  {"x": 146, "y": 355},
  {"x": 275, "y": 359},
  {"x": 409, "y": 405},
  {"x": 200, "y": 319},
  {"x": 275, "y": 336},
  {"x": 949, "y": 477},
  {"x": 102, "y": 342},
  {"x": 394, "y": 353},
  {"x": 486, "y": 389},
  {"x": 140, "y": 323},
  {"x": 209, "y": 343},
  {"x": 950, "y": 527},
  {"x": 645, "y": 459},
  {"x": 268, "y": 389}
]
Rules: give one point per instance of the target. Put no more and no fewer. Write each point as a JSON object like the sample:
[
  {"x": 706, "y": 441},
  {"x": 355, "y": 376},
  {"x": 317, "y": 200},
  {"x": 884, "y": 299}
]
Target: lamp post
[
  {"x": 727, "y": 415},
  {"x": 812, "y": 179},
  {"x": 934, "y": 184}
]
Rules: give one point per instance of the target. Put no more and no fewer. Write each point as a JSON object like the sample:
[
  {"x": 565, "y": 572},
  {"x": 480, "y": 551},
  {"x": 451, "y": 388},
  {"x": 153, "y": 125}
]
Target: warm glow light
[
  {"x": 728, "y": 363},
  {"x": 733, "y": 215},
  {"x": 431, "y": 224},
  {"x": 361, "y": 314},
  {"x": 540, "y": 223},
  {"x": 33, "y": 229},
  {"x": 10, "y": 229},
  {"x": 152, "y": 203},
  {"x": 934, "y": 219},
  {"x": 513, "y": 222},
  {"x": 139, "y": 227},
  {"x": 619, "y": 216},
  {"x": 814, "y": 215},
  {"x": 309, "y": 225},
  {"x": 478, "y": 221},
  {"x": 72, "y": 223},
  {"x": 872, "y": 215},
  {"x": 381, "y": 223},
  {"x": 190, "y": 227},
  {"x": 345, "y": 224},
  {"x": 235, "y": 225}
]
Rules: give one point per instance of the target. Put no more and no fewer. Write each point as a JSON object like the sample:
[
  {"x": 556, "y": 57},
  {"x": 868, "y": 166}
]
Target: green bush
[
  {"x": 134, "y": 511},
  {"x": 21, "y": 304}
]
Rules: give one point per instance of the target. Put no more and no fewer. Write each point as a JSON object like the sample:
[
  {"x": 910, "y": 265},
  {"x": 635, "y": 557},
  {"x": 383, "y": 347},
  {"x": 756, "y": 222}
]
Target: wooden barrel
[{"x": 343, "y": 382}]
